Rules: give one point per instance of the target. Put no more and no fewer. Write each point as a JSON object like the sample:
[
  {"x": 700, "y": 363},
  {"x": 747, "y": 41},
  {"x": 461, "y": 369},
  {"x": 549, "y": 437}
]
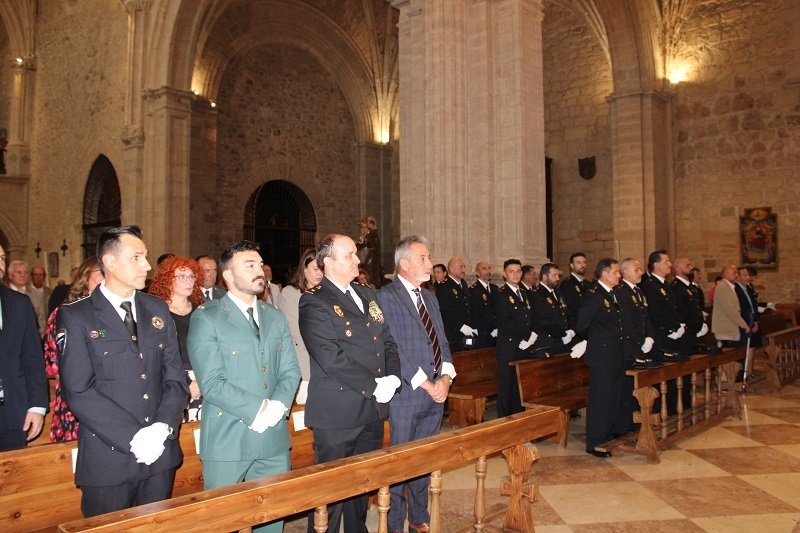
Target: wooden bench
[
  {"x": 708, "y": 408},
  {"x": 782, "y": 349},
  {"x": 476, "y": 381},
  {"x": 772, "y": 321},
  {"x": 559, "y": 381},
  {"x": 38, "y": 492},
  {"x": 792, "y": 312},
  {"x": 240, "y": 506}
]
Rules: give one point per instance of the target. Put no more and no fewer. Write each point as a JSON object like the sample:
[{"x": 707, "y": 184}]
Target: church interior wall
[
  {"x": 78, "y": 114},
  {"x": 282, "y": 116},
  {"x": 5, "y": 77},
  {"x": 736, "y": 124},
  {"x": 577, "y": 80}
]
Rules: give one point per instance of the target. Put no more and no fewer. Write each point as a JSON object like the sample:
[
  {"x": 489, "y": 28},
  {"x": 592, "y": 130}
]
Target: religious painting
[
  {"x": 52, "y": 264},
  {"x": 759, "y": 233}
]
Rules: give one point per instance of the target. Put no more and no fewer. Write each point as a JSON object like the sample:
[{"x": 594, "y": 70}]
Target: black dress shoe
[{"x": 598, "y": 453}]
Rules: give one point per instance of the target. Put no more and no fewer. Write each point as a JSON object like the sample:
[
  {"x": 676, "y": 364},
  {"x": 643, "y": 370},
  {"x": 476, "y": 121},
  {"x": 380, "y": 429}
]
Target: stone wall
[
  {"x": 282, "y": 116},
  {"x": 737, "y": 135},
  {"x": 577, "y": 80},
  {"x": 5, "y": 77},
  {"x": 78, "y": 114}
]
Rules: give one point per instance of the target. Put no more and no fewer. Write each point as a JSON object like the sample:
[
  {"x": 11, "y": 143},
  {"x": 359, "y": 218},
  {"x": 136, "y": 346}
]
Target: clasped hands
[
  {"x": 525, "y": 344},
  {"x": 268, "y": 415},
  {"x": 677, "y": 334},
  {"x": 468, "y": 331},
  {"x": 568, "y": 336},
  {"x": 384, "y": 391},
  {"x": 148, "y": 443}
]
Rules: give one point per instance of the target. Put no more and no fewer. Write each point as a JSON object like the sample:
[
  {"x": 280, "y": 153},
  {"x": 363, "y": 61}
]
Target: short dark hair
[
  {"x": 604, "y": 265},
  {"x": 546, "y": 268},
  {"x": 204, "y": 256},
  {"x": 164, "y": 257},
  {"x": 108, "y": 243},
  {"x": 750, "y": 269},
  {"x": 325, "y": 248},
  {"x": 526, "y": 269},
  {"x": 440, "y": 265},
  {"x": 654, "y": 258},
  {"x": 235, "y": 248},
  {"x": 576, "y": 254},
  {"x": 508, "y": 262}
]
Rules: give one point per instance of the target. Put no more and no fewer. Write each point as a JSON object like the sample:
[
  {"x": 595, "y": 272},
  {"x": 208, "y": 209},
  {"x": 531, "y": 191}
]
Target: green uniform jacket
[{"x": 236, "y": 371}]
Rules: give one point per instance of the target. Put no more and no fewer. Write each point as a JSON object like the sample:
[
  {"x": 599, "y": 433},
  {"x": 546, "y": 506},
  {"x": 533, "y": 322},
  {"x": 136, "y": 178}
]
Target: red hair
[{"x": 161, "y": 286}]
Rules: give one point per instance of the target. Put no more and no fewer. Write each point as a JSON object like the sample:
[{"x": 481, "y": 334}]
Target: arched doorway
[
  {"x": 102, "y": 203},
  {"x": 279, "y": 216}
]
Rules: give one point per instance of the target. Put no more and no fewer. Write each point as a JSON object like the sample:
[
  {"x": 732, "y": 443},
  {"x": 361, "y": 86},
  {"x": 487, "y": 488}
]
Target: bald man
[
  {"x": 727, "y": 324},
  {"x": 690, "y": 307},
  {"x": 454, "y": 303}
]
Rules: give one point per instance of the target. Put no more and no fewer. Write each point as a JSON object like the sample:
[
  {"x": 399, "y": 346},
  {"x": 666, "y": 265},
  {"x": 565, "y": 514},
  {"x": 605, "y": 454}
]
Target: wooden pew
[
  {"x": 560, "y": 381},
  {"x": 475, "y": 382},
  {"x": 782, "y": 349},
  {"x": 37, "y": 490},
  {"x": 790, "y": 310},
  {"x": 240, "y": 506},
  {"x": 708, "y": 408},
  {"x": 771, "y": 321}
]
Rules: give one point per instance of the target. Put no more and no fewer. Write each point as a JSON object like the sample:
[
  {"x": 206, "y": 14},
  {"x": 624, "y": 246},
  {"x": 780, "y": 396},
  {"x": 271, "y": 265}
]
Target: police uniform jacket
[
  {"x": 550, "y": 319},
  {"x": 454, "y": 302},
  {"x": 636, "y": 325},
  {"x": 116, "y": 385},
  {"x": 348, "y": 350},
  {"x": 600, "y": 323},
  {"x": 572, "y": 290},
  {"x": 663, "y": 309},
  {"x": 690, "y": 308},
  {"x": 482, "y": 308},
  {"x": 513, "y": 322},
  {"x": 237, "y": 370}
]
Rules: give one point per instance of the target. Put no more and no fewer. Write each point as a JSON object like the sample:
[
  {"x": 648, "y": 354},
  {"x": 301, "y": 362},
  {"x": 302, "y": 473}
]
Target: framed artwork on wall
[
  {"x": 52, "y": 264},
  {"x": 758, "y": 227}
]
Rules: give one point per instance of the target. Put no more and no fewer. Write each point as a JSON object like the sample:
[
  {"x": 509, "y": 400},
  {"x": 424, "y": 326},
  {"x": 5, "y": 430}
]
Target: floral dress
[{"x": 64, "y": 426}]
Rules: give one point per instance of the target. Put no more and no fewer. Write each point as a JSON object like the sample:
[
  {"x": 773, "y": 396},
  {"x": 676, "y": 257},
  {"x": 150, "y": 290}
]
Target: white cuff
[
  {"x": 419, "y": 378},
  {"x": 448, "y": 370},
  {"x": 38, "y": 410}
]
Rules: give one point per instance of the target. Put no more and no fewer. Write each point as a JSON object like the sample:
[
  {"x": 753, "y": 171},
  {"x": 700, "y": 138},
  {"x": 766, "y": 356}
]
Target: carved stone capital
[
  {"x": 137, "y": 5},
  {"x": 132, "y": 136},
  {"x": 23, "y": 63}
]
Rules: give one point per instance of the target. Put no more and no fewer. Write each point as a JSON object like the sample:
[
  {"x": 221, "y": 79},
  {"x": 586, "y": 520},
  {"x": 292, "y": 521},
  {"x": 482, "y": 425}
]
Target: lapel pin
[{"x": 158, "y": 322}]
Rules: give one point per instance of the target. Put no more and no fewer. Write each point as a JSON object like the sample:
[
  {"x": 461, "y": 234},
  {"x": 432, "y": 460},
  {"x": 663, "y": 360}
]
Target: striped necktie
[{"x": 428, "y": 324}]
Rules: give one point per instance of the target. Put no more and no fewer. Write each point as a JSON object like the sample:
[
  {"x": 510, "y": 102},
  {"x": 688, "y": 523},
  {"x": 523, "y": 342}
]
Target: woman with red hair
[{"x": 178, "y": 283}]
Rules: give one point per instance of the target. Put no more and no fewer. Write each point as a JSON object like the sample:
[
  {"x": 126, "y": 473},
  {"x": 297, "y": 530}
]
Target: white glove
[
  {"x": 148, "y": 443},
  {"x": 468, "y": 331},
  {"x": 568, "y": 336},
  {"x": 494, "y": 332},
  {"x": 269, "y": 417},
  {"x": 705, "y": 315},
  {"x": 675, "y": 335},
  {"x": 771, "y": 305},
  {"x": 578, "y": 350},
  {"x": 532, "y": 338},
  {"x": 647, "y": 345},
  {"x": 703, "y": 330},
  {"x": 385, "y": 389},
  {"x": 524, "y": 345}
]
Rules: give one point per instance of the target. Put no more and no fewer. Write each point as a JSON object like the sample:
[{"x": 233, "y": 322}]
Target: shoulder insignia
[
  {"x": 314, "y": 289},
  {"x": 361, "y": 284},
  {"x": 549, "y": 300},
  {"x": 474, "y": 285},
  {"x": 662, "y": 291},
  {"x": 76, "y": 301},
  {"x": 502, "y": 288},
  {"x": 485, "y": 297}
]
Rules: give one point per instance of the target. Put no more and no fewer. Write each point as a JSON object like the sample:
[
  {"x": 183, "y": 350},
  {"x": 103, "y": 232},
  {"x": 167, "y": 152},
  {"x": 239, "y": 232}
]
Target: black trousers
[
  {"x": 604, "y": 405},
  {"x": 100, "y": 500},
  {"x": 331, "y": 444},
  {"x": 13, "y": 439}
]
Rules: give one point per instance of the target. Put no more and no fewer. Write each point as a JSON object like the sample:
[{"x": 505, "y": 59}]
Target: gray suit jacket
[{"x": 413, "y": 343}]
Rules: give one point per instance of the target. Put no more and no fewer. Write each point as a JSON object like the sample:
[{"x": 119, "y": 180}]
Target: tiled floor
[{"x": 743, "y": 475}]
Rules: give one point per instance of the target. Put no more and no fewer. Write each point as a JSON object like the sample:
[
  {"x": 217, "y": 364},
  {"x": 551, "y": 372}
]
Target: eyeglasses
[{"x": 185, "y": 277}]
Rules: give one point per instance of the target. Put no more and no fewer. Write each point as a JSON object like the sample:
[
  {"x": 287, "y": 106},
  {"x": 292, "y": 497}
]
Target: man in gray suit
[{"x": 426, "y": 365}]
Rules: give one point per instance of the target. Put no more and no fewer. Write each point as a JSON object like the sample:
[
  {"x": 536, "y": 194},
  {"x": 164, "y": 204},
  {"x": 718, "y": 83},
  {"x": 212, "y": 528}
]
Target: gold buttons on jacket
[
  {"x": 147, "y": 419},
  {"x": 263, "y": 369},
  {"x": 266, "y": 385},
  {"x": 145, "y": 396},
  {"x": 141, "y": 355},
  {"x": 235, "y": 352},
  {"x": 143, "y": 376}
]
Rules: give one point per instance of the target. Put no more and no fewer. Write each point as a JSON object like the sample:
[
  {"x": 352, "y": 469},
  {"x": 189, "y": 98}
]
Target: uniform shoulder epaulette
[
  {"x": 208, "y": 305},
  {"x": 78, "y": 300},
  {"x": 361, "y": 284},
  {"x": 502, "y": 288},
  {"x": 474, "y": 285},
  {"x": 592, "y": 288},
  {"x": 313, "y": 290}
]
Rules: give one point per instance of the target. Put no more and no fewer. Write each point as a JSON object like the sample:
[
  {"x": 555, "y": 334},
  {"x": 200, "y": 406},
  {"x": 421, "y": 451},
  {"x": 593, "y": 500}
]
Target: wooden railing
[
  {"x": 783, "y": 357},
  {"x": 713, "y": 402},
  {"x": 240, "y": 506}
]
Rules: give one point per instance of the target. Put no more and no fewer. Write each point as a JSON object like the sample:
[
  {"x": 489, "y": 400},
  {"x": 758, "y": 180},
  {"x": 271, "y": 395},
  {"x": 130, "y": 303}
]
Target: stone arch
[
  {"x": 3, "y": 240},
  {"x": 18, "y": 16},
  {"x": 102, "y": 203},
  {"x": 279, "y": 216}
]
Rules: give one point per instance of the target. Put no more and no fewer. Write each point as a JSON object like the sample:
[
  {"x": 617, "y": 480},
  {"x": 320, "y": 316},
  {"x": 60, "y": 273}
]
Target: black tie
[
  {"x": 252, "y": 320},
  {"x": 130, "y": 323},
  {"x": 428, "y": 324},
  {"x": 638, "y": 292},
  {"x": 208, "y": 294}
]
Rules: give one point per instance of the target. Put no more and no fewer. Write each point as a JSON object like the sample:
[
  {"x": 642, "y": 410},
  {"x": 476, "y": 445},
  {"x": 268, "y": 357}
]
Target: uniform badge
[
  {"x": 92, "y": 334},
  {"x": 605, "y": 302},
  {"x": 375, "y": 312},
  {"x": 61, "y": 339},
  {"x": 485, "y": 297},
  {"x": 578, "y": 289},
  {"x": 511, "y": 300},
  {"x": 455, "y": 292},
  {"x": 348, "y": 333},
  {"x": 662, "y": 291},
  {"x": 158, "y": 322},
  {"x": 633, "y": 297},
  {"x": 549, "y": 301},
  {"x": 338, "y": 311}
]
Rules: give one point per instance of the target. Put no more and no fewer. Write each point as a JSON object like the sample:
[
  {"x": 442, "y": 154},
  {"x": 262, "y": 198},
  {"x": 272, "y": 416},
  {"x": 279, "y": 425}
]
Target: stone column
[
  {"x": 18, "y": 157},
  {"x": 163, "y": 190},
  {"x": 642, "y": 170},
  {"x": 472, "y": 127}
]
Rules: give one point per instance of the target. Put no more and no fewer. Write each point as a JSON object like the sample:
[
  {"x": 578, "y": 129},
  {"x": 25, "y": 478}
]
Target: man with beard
[
  {"x": 122, "y": 376},
  {"x": 354, "y": 369},
  {"x": 482, "y": 306},
  {"x": 575, "y": 286},
  {"x": 550, "y": 320},
  {"x": 427, "y": 371},
  {"x": 243, "y": 357}
]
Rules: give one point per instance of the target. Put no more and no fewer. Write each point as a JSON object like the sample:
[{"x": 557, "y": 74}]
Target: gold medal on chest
[
  {"x": 338, "y": 310},
  {"x": 158, "y": 322}
]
